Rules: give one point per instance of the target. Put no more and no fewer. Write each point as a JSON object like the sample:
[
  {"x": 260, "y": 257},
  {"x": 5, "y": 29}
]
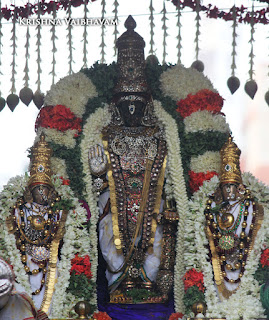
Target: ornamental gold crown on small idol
[
  {"x": 230, "y": 163},
  {"x": 40, "y": 171}
]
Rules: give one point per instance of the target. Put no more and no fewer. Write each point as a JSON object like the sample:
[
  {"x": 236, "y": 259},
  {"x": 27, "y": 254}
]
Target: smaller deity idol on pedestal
[
  {"x": 15, "y": 305},
  {"x": 233, "y": 219},
  {"x": 38, "y": 226}
]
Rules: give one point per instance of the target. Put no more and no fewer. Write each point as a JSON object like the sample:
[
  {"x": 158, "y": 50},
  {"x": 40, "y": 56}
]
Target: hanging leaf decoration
[
  {"x": 233, "y": 82},
  {"x": 152, "y": 25},
  {"x": 70, "y": 42},
  {"x": 179, "y": 37},
  {"x": 165, "y": 34},
  {"x": 85, "y": 38},
  {"x": 53, "y": 41},
  {"x": 12, "y": 101},
  {"x": 102, "y": 45},
  {"x": 197, "y": 64},
  {"x": 251, "y": 86},
  {"x": 116, "y": 31}
]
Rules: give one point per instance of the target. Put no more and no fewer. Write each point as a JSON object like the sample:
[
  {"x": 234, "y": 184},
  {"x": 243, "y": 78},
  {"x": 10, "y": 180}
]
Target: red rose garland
[
  {"x": 196, "y": 179},
  {"x": 58, "y": 117},
  {"x": 81, "y": 265},
  {"x": 203, "y": 100},
  {"x": 101, "y": 316},
  {"x": 265, "y": 258},
  {"x": 193, "y": 278},
  {"x": 176, "y": 316}
]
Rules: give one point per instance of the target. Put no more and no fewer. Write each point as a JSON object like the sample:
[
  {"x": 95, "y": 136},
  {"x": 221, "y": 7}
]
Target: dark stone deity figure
[{"x": 137, "y": 227}]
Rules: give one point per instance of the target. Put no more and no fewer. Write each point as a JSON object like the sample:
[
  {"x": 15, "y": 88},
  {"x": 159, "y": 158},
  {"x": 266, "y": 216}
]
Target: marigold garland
[
  {"x": 58, "y": 117},
  {"x": 203, "y": 100}
]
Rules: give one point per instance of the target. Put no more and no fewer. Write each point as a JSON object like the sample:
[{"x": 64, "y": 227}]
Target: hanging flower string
[
  {"x": 152, "y": 25},
  {"x": 85, "y": 38},
  {"x": 198, "y": 18},
  {"x": 102, "y": 45},
  {"x": 116, "y": 32},
  {"x": 45, "y": 6},
  {"x": 69, "y": 42},
  {"x": 38, "y": 45},
  {"x": 27, "y": 56},
  {"x": 14, "y": 54},
  {"x": 233, "y": 66},
  {"x": 251, "y": 41},
  {"x": 54, "y": 49},
  {"x": 164, "y": 27},
  {"x": 1, "y": 34},
  {"x": 244, "y": 16},
  {"x": 179, "y": 38}
]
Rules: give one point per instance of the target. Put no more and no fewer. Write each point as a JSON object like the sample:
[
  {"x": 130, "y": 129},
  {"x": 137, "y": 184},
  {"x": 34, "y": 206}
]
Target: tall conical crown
[
  {"x": 230, "y": 163},
  {"x": 40, "y": 171},
  {"x": 131, "y": 61}
]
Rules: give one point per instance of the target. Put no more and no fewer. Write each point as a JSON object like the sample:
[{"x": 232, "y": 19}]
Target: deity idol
[
  {"x": 236, "y": 229},
  {"x": 38, "y": 228},
  {"x": 136, "y": 228}
]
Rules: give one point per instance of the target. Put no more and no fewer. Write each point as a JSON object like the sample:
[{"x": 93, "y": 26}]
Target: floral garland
[
  {"x": 199, "y": 104},
  {"x": 45, "y": 7},
  {"x": 92, "y": 136},
  {"x": 208, "y": 161},
  {"x": 75, "y": 237},
  {"x": 73, "y": 92},
  {"x": 58, "y": 117},
  {"x": 178, "y": 190},
  {"x": 242, "y": 13},
  {"x": 246, "y": 301},
  {"x": 178, "y": 82},
  {"x": 202, "y": 100},
  {"x": 205, "y": 121}
]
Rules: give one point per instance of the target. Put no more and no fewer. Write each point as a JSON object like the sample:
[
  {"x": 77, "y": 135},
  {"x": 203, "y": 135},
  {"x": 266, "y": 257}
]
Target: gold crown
[
  {"x": 131, "y": 61},
  {"x": 40, "y": 171},
  {"x": 230, "y": 163}
]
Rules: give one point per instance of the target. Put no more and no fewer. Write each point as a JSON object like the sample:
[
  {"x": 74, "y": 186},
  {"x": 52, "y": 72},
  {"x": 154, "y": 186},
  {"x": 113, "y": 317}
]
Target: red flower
[
  {"x": 101, "y": 316},
  {"x": 81, "y": 265},
  {"x": 58, "y": 117},
  {"x": 197, "y": 179},
  {"x": 175, "y": 316},
  {"x": 265, "y": 258},
  {"x": 194, "y": 278},
  {"x": 65, "y": 182},
  {"x": 203, "y": 100}
]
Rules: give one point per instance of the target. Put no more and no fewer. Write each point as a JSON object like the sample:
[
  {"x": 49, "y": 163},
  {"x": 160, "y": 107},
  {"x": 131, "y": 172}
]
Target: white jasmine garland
[
  {"x": 74, "y": 240},
  {"x": 58, "y": 165},
  {"x": 177, "y": 82},
  {"x": 175, "y": 173},
  {"x": 208, "y": 161},
  {"x": 72, "y": 91},
  {"x": 92, "y": 136},
  {"x": 66, "y": 138},
  {"x": 245, "y": 302},
  {"x": 205, "y": 121}
]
